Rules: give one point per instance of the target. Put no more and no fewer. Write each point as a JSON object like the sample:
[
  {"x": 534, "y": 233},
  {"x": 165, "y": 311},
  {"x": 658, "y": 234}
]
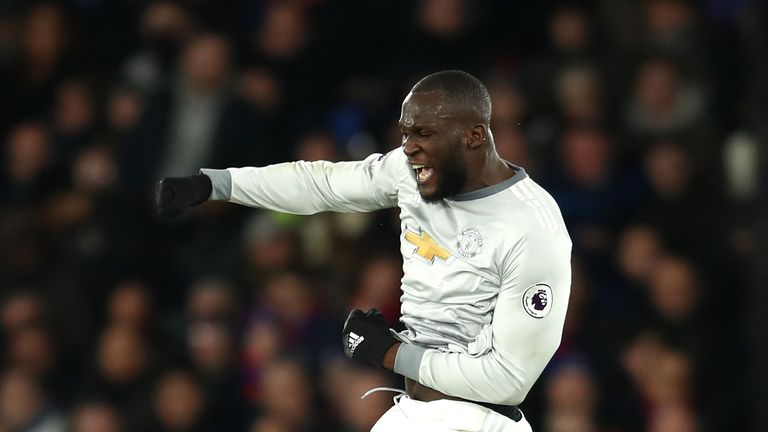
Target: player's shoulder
[
  {"x": 394, "y": 162},
  {"x": 532, "y": 206}
]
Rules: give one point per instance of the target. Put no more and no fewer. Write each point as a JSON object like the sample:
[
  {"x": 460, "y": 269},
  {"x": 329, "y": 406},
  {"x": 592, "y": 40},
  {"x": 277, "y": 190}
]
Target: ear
[{"x": 476, "y": 136}]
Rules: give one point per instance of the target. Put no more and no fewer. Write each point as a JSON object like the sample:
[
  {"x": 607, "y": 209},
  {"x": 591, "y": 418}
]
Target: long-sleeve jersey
[{"x": 486, "y": 273}]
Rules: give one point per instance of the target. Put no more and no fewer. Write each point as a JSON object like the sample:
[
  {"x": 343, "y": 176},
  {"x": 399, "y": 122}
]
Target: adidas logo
[{"x": 353, "y": 341}]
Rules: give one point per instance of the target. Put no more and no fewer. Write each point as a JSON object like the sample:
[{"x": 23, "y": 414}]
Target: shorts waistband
[{"x": 512, "y": 412}]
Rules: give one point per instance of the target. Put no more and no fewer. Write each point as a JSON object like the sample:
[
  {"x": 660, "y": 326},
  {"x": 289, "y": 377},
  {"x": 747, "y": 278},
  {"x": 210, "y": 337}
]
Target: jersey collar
[{"x": 490, "y": 190}]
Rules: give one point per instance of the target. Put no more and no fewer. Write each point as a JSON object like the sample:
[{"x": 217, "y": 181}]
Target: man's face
[{"x": 434, "y": 144}]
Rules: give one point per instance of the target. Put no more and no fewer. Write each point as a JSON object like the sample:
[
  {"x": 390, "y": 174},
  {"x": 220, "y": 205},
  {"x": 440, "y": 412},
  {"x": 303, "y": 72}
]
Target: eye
[{"x": 425, "y": 134}]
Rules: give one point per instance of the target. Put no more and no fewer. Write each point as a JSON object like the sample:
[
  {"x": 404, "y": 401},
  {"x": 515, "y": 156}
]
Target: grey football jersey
[{"x": 486, "y": 274}]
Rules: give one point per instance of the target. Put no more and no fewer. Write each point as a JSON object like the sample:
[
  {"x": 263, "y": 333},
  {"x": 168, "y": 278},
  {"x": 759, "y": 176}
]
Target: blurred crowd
[{"x": 638, "y": 116}]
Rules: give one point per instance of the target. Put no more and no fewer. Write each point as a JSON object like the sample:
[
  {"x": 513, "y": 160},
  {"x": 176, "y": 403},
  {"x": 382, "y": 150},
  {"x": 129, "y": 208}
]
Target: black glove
[
  {"x": 174, "y": 194},
  {"x": 366, "y": 337}
]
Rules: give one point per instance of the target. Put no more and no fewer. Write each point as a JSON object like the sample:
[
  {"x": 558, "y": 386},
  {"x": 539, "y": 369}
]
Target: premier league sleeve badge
[{"x": 537, "y": 300}]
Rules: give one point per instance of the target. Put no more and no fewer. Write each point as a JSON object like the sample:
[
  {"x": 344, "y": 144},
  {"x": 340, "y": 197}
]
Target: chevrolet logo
[{"x": 426, "y": 246}]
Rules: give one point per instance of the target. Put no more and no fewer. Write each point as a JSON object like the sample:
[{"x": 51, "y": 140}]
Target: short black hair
[{"x": 459, "y": 87}]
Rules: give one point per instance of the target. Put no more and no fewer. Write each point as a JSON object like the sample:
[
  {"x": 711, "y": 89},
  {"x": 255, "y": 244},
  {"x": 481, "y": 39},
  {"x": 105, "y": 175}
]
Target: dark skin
[{"x": 454, "y": 140}]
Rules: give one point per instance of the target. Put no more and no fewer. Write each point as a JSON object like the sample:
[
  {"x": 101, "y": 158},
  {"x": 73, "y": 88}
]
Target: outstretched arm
[{"x": 300, "y": 187}]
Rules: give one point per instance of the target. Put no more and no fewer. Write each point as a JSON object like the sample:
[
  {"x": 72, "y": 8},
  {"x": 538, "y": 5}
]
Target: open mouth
[{"x": 423, "y": 172}]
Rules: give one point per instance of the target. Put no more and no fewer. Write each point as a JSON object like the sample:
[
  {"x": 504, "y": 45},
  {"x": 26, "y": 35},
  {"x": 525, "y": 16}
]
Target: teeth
[{"x": 417, "y": 166}]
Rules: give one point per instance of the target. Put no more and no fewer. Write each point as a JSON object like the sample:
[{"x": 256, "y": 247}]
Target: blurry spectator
[
  {"x": 570, "y": 36},
  {"x": 586, "y": 155},
  {"x": 213, "y": 356},
  {"x": 268, "y": 424},
  {"x": 287, "y": 319},
  {"x": 24, "y": 405},
  {"x": 625, "y": 298},
  {"x": 270, "y": 247},
  {"x": 569, "y": 30},
  {"x": 669, "y": 170},
  {"x": 571, "y": 400},
  {"x": 121, "y": 374},
  {"x": 586, "y": 160},
  {"x": 95, "y": 417},
  {"x": 211, "y": 299},
  {"x": 74, "y": 117},
  {"x": 673, "y": 418},
  {"x": 509, "y": 123},
  {"x": 288, "y": 395},
  {"x": 130, "y": 306},
  {"x": 95, "y": 171},
  {"x": 579, "y": 97},
  {"x": 292, "y": 300},
  {"x": 639, "y": 249},
  {"x": 445, "y": 29},
  {"x": 680, "y": 195},
  {"x": 670, "y": 382},
  {"x": 22, "y": 248},
  {"x": 123, "y": 111},
  {"x": 66, "y": 210},
  {"x": 122, "y": 355},
  {"x": 164, "y": 28},
  {"x": 379, "y": 287},
  {"x": 509, "y": 105},
  {"x": 262, "y": 344},
  {"x": 20, "y": 310},
  {"x": 671, "y": 28},
  {"x": 317, "y": 146},
  {"x": 513, "y": 146},
  {"x": 283, "y": 46},
  {"x": 179, "y": 403},
  {"x": 664, "y": 102},
  {"x": 344, "y": 385},
  {"x": 196, "y": 121},
  {"x": 443, "y": 19},
  {"x": 45, "y": 38},
  {"x": 577, "y": 321},
  {"x": 638, "y": 356},
  {"x": 205, "y": 69},
  {"x": 259, "y": 87},
  {"x": 211, "y": 348},
  {"x": 661, "y": 103},
  {"x": 27, "y": 174},
  {"x": 31, "y": 350},
  {"x": 674, "y": 290},
  {"x": 283, "y": 33}
]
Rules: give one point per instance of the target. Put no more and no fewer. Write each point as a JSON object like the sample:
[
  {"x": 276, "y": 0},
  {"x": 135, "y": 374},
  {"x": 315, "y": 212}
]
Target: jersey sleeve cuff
[
  {"x": 222, "y": 183},
  {"x": 408, "y": 360}
]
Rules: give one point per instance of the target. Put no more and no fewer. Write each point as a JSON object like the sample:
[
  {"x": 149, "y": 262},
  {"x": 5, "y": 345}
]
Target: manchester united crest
[{"x": 469, "y": 242}]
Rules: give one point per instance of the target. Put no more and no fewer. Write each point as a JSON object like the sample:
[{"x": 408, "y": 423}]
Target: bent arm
[
  {"x": 523, "y": 344},
  {"x": 313, "y": 187}
]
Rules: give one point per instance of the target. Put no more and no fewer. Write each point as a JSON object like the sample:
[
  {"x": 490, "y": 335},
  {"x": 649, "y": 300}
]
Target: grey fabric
[
  {"x": 222, "y": 184},
  {"x": 194, "y": 120},
  {"x": 408, "y": 360},
  {"x": 490, "y": 190}
]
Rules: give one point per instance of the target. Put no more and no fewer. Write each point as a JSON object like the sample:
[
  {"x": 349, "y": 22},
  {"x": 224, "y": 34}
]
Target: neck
[{"x": 491, "y": 170}]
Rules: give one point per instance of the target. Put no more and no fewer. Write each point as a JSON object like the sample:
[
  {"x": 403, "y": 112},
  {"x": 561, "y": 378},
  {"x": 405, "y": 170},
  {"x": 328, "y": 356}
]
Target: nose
[{"x": 410, "y": 148}]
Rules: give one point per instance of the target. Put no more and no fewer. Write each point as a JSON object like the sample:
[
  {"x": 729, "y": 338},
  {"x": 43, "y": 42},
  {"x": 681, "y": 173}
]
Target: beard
[{"x": 451, "y": 178}]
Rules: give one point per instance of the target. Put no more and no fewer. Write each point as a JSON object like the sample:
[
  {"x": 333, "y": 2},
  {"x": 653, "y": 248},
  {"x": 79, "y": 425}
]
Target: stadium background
[{"x": 643, "y": 118}]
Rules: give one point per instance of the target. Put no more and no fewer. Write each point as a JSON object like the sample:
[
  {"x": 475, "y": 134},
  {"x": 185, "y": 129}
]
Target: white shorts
[{"x": 443, "y": 415}]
